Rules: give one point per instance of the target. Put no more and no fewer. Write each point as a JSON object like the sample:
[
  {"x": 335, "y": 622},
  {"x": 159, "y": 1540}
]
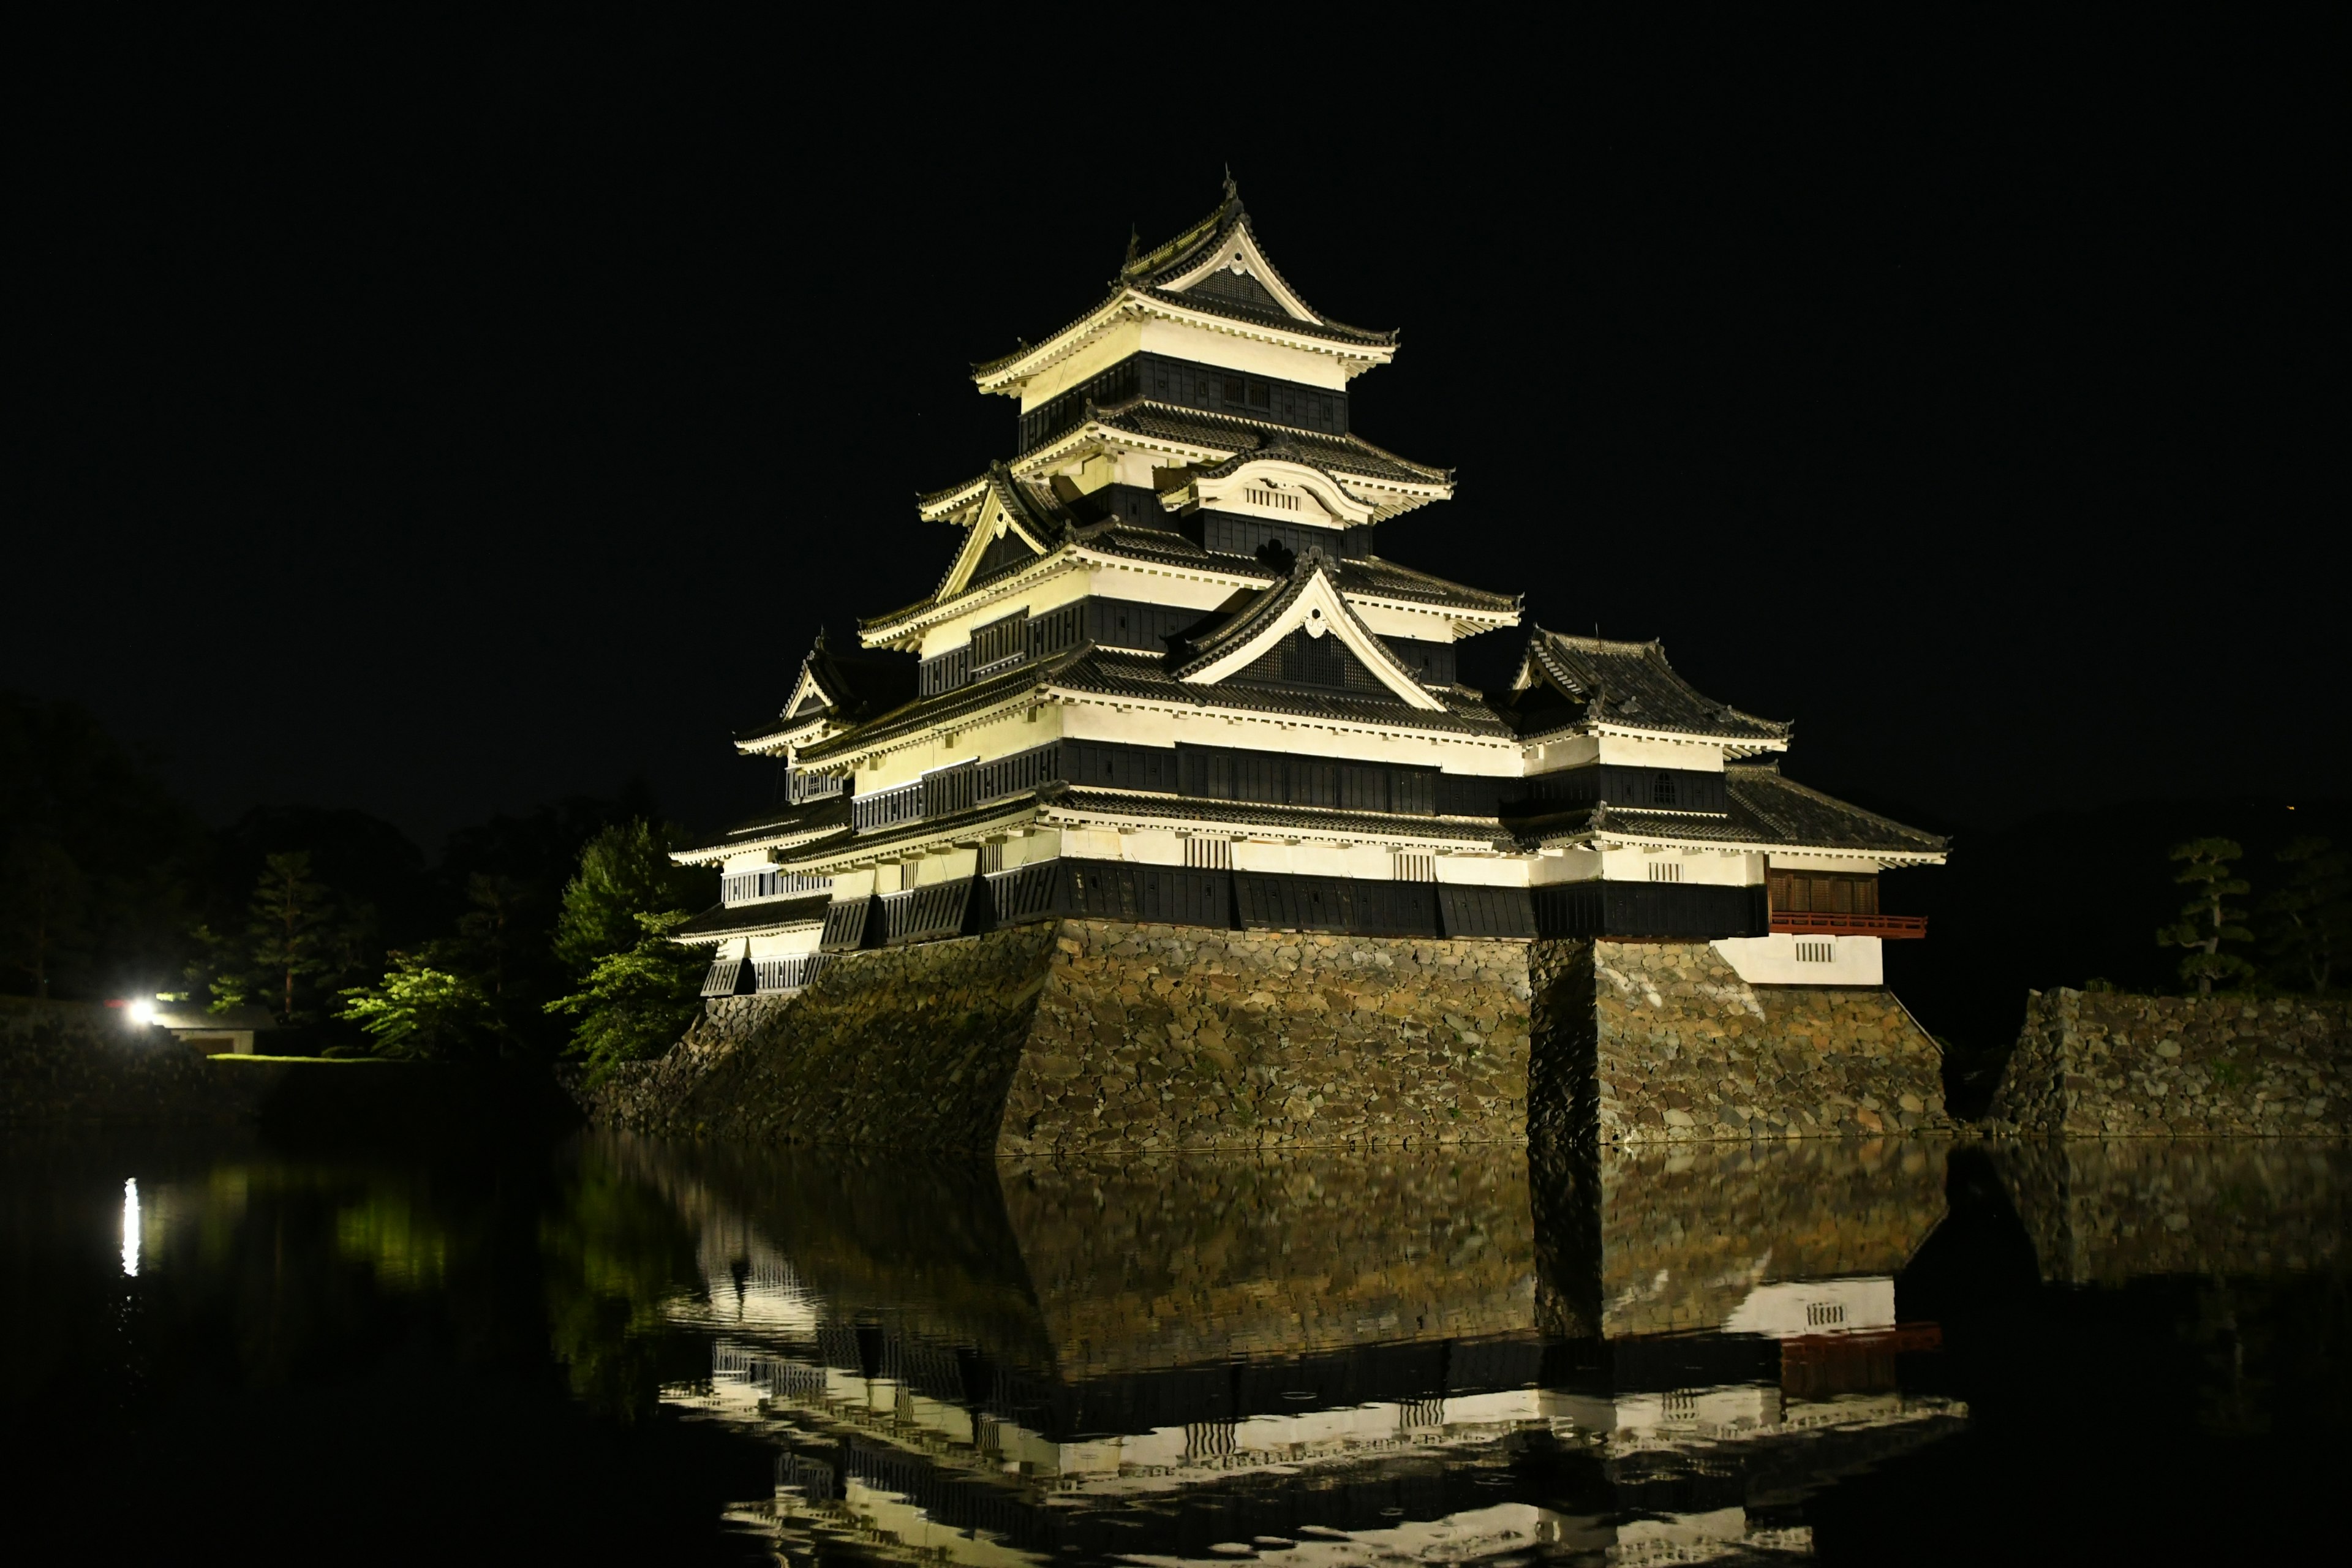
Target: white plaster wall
[
  {"x": 1275, "y": 360},
  {"x": 1633, "y": 752},
  {"x": 1713, "y": 868},
  {"x": 1484, "y": 870},
  {"x": 1573, "y": 865},
  {"x": 1105, "y": 350},
  {"x": 1795, "y": 1309},
  {"x": 1154, "y": 727},
  {"x": 984, "y": 739},
  {"x": 953, "y": 865},
  {"x": 1091, "y": 844},
  {"x": 1028, "y": 848},
  {"x": 1567, "y": 751},
  {"x": 1369, "y": 862},
  {"x": 750, "y": 860},
  {"x": 1772, "y": 960},
  {"x": 1046, "y": 594},
  {"x": 854, "y": 886},
  {"x": 791, "y": 943}
]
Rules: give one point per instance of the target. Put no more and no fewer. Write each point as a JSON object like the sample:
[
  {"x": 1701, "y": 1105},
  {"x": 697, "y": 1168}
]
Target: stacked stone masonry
[
  {"x": 2110, "y": 1064},
  {"x": 1102, "y": 1038},
  {"x": 2108, "y": 1211},
  {"x": 1670, "y": 1045}
]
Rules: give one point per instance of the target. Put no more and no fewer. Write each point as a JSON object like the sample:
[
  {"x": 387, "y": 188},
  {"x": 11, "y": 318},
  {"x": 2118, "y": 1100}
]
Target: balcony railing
[{"x": 1892, "y": 927}]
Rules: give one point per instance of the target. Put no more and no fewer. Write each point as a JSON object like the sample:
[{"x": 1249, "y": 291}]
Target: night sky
[{"x": 442, "y": 426}]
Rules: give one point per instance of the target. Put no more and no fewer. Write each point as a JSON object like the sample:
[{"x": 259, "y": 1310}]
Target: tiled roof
[
  {"x": 780, "y": 822},
  {"x": 1370, "y": 575},
  {"x": 853, "y": 685},
  {"x": 1632, "y": 685},
  {"x": 1763, "y": 807},
  {"x": 731, "y": 920},
  {"x": 995, "y": 813},
  {"x": 1244, "y": 813},
  {"x": 1149, "y": 271},
  {"x": 1234, "y": 436},
  {"x": 1107, "y": 672},
  {"x": 926, "y": 711}
]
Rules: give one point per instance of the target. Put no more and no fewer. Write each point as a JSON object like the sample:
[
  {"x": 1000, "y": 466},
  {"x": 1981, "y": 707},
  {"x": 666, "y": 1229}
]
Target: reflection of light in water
[{"x": 131, "y": 1227}]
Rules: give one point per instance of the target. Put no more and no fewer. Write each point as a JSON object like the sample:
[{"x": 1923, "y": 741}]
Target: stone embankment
[
  {"x": 1664, "y": 1042},
  {"x": 1112, "y": 1038},
  {"x": 2108, "y": 1211},
  {"x": 2110, "y": 1064},
  {"x": 1102, "y": 1038}
]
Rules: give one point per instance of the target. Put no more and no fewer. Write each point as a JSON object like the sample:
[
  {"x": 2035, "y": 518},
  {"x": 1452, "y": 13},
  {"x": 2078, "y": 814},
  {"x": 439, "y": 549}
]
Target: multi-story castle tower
[{"x": 1167, "y": 675}]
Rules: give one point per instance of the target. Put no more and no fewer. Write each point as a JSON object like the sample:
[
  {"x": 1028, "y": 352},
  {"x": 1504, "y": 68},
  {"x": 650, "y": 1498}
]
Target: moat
[{"x": 605, "y": 1347}]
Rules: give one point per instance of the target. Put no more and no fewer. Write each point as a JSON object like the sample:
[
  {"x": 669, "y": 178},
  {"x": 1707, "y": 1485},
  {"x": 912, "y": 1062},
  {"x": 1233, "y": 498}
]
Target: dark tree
[
  {"x": 2309, "y": 922},
  {"x": 98, "y": 862},
  {"x": 2206, "y": 920}
]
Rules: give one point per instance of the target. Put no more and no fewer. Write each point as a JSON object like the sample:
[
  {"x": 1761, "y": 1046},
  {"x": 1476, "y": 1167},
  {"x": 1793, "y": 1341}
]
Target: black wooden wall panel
[
  {"x": 845, "y": 926},
  {"x": 1486, "y": 912},
  {"x": 1678, "y": 911}
]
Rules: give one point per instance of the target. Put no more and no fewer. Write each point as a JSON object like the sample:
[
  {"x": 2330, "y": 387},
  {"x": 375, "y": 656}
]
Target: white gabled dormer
[{"x": 1310, "y": 603}]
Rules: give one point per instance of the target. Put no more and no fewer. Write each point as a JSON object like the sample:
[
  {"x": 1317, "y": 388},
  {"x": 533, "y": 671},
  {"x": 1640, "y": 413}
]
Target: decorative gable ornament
[
  {"x": 1309, "y": 602},
  {"x": 1276, "y": 487}
]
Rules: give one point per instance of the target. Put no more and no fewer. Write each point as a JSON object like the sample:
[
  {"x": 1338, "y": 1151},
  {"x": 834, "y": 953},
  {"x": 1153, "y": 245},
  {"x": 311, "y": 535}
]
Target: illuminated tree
[
  {"x": 419, "y": 1010},
  {"x": 635, "y": 1003},
  {"x": 2206, "y": 920}
]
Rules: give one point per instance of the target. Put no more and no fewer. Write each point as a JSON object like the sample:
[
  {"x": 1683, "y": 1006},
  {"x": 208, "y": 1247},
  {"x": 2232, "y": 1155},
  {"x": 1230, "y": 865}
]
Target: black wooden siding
[
  {"x": 1323, "y": 663},
  {"x": 1235, "y": 901},
  {"x": 1676, "y": 910},
  {"x": 1232, "y": 534},
  {"x": 1144, "y": 628},
  {"x": 1188, "y": 385}
]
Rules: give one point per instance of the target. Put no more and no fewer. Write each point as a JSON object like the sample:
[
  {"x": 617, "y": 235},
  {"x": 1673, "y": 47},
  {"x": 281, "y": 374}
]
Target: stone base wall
[
  {"x": 2103, "y": 1212},
  {"x": 1113, "y": 1038},
  {"x": 2108, "y": 1064},
  {"x": 1655, "y": 1240},
  {"x": 1663, "y": 1041},
  {"x": 909, "y": 1047},
  {"x": 1151, "y": 1036},
  {"x": 1102, "y": 1038}
]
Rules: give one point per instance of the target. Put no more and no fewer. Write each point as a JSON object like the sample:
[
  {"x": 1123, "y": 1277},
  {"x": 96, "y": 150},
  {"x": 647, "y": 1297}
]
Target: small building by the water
[{"x": 229, "y": 1033}]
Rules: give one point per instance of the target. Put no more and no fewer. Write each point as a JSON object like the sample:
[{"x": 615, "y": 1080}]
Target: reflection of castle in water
[{"x": 1431, "y": 1357}]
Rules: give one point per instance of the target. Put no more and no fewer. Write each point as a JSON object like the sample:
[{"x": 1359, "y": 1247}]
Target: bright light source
[
  {"x": 143, "y": 1012},
  {"x": 130, "y": 1228}
]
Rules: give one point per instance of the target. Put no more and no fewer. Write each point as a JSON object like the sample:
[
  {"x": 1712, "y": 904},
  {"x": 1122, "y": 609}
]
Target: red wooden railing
[{"x": 1889, "y": 926}]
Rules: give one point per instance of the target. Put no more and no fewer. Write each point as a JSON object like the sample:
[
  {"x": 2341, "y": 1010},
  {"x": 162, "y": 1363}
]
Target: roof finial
[
  {"x": 1233, "y": 190},
  {"x": 820, "y": 639},
  {"x": 1134, "y": 238}
]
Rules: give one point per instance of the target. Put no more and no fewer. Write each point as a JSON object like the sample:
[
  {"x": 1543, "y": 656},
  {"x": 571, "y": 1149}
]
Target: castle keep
[{"x": 1171, "y": 681}]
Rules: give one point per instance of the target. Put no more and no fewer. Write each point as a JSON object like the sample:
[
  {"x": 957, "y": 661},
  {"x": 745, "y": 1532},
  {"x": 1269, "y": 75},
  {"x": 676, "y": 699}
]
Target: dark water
[{"x": 604, "y": 1349}]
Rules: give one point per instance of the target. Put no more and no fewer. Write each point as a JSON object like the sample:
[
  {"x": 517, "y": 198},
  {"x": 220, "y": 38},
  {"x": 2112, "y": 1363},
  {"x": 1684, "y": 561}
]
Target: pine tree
[
  {"x": 298, "y": 940},
  {"x": 2206, "y": 920},
  {"x": 2309, "y": 922}
]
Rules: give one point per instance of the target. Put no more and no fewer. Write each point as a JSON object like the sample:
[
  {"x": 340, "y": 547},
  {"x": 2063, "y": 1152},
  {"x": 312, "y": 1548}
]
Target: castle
[{"x": 1168, "y": 678}]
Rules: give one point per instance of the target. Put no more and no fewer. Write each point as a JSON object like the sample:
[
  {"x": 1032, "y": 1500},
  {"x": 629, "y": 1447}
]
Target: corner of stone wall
[
  {"x": 2032, "y": 1095},
  {"x": 1686, "y": 1049},
  {"x": 1563, "y": 1102}
]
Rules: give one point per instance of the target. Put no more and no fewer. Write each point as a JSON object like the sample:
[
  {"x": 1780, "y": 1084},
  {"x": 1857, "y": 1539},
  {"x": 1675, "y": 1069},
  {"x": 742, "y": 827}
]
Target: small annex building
[{"x": 1168, "y": 675}]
